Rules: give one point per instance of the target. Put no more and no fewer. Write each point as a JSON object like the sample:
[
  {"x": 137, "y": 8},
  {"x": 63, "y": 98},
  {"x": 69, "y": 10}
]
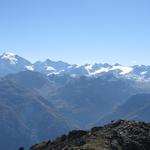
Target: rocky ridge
[{"x": 118, "y": 135}]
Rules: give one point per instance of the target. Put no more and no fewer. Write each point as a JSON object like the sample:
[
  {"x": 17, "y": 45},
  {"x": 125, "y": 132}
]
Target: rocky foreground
[{"x": 119, "y": 135}]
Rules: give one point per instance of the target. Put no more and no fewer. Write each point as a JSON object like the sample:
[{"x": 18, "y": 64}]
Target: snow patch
[
  {"x": 101, "y": 70},
  {"x": 69, "y": 67},
  {"x": 50, "y": 68},
  {"x": 143, "y": 73},
  {"x": 124, "y": 69},
  {"x": 77, "y": 66},
  {"x": 55, "y": 73},
  {"x": 30, "y": 68}
]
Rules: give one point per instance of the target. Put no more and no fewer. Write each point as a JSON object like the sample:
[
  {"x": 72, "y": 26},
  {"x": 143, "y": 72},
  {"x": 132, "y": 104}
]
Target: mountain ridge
[
  {"x": 12, "y": 63},
  {"x": 137, "y": 107}
]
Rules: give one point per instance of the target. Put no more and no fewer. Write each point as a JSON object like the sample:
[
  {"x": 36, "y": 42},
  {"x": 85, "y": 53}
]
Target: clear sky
[{"x": 77, "y": 31}]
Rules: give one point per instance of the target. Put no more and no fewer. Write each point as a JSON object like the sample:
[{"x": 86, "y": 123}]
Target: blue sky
[{"x": 77, "y": 31}]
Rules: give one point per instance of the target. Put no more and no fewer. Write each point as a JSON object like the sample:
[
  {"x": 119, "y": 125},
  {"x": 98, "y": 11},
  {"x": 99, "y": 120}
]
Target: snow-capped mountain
[
  {"x": 12, "y": 63},
  {"x": 51, "y": 67}
]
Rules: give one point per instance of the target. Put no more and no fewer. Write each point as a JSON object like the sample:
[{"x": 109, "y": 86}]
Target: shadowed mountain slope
[{"x": 26, "y": 117}]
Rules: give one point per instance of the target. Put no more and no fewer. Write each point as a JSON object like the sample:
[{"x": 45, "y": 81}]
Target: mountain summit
[
  {"x": 10, "y": 57},
  {"x": 12, "y": 63}
]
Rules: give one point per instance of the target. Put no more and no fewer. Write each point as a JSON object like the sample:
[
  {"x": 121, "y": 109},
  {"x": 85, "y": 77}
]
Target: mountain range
[
  {"x": 74, "y": 98},
  {"x": 12, "y": 63},
  {"x": 42, "y": 100}
]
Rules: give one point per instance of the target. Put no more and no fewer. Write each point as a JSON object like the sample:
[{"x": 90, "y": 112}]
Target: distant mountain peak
[
  {"x": 10, "y": 57},
  {"x": 47, "y": 60},
  {"x": 9, "y": 53}
]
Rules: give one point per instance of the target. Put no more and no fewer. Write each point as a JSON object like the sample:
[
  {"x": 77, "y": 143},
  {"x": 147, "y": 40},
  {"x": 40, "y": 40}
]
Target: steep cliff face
[{"x": 119, "y": 135}]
